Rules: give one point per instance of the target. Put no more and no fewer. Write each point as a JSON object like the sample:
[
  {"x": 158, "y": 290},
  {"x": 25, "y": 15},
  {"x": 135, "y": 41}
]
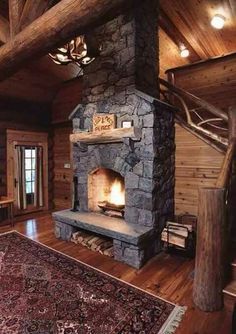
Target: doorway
[{"x": 27, "y": 174}]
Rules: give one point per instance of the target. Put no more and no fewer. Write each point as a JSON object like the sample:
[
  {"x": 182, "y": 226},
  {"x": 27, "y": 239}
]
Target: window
[{"x": 30, "y": 174}]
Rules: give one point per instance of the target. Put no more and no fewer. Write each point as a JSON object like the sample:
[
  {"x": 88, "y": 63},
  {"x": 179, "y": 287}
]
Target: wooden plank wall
[
  {"x": 197, "y": 165},
  {"x": 66, "y": 100},
  {"x": 213, "y": 80}
]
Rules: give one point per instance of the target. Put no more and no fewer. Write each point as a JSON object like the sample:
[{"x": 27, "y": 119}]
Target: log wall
[
  {"x": 197, "y": 165},
  {"x": 17, "y": 116},
  {"x": 64, "y": 103}
]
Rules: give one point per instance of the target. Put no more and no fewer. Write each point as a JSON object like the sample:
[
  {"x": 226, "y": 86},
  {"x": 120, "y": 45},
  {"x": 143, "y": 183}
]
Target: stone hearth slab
[{"x": 114, "y": 228}]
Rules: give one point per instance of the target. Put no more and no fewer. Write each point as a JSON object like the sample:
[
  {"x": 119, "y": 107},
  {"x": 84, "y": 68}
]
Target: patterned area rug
[{"x": 43, "y": 291}]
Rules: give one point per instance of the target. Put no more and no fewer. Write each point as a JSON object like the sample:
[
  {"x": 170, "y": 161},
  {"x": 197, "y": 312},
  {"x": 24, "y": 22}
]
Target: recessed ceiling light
[
  {"x": 218, "y": 21},
  {"x": 184, "y": 52}
]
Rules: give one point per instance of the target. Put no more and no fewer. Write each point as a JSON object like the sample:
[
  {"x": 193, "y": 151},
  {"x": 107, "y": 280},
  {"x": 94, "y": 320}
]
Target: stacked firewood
[
  {"x": 94, "y": 242},
  {"x": 181, "y": 233}
]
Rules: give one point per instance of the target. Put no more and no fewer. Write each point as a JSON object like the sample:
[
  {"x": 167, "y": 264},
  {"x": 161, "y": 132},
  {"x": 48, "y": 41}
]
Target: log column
[
  {"x": 232, "y": 186},
  {"x": 232, "y": 123},
  {"x": 210, "y": 255}
]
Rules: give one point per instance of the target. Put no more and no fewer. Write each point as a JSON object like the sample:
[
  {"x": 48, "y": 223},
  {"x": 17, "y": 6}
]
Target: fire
[{"x": 117, "y": 195}]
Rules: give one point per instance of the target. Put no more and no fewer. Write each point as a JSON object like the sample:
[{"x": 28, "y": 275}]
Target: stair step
[
  {"x": 230, "y": 295},
  {"x": 233, "y": 265},
  {"x": 230, "y": 289}
]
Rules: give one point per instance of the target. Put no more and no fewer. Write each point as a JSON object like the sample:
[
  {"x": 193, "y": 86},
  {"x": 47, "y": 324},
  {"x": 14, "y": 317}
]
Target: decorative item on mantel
[
  {"x": 103, "y": 122},
  {"x": 104, "y": 132}
]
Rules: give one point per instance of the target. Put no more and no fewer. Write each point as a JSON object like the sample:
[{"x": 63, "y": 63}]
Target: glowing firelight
[{"x": 117, "y": 195}]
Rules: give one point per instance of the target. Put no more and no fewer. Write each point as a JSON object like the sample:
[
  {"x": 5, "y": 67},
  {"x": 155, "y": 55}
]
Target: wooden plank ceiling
[
  {"x": 192, "y": 19},
  {"x": 191, "y": 26},
  {"x": 181, "y": 22}
]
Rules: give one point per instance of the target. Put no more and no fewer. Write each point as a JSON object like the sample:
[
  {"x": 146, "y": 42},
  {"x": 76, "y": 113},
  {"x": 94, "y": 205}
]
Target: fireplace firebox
[{"x": 106, "y": 192}]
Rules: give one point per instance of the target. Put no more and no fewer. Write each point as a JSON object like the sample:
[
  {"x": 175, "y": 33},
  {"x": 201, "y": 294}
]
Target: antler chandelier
[{"x": 78, "y": 51}]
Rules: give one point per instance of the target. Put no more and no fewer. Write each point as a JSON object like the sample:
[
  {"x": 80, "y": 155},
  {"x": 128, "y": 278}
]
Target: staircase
[{"x": 218, "y": 130}]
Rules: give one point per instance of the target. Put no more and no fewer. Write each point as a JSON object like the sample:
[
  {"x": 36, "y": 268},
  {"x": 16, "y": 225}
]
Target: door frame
[{"x": 26, "y": 138}]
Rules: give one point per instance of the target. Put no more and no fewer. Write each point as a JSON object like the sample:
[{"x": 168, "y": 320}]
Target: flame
[{"x": 117, "y": 195}]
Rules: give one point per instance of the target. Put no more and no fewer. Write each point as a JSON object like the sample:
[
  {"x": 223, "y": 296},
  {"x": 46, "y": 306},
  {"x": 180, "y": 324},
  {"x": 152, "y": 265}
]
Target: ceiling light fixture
[
  {"x": 184, "y": 52},
  {"x": 218, "y": 21},
  {"x": 79, "y": 51}
]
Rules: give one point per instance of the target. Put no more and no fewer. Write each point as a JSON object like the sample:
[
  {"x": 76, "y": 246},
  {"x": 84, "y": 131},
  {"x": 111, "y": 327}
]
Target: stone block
[
  {"x": 138, "y": 168},
  {"x": 146, "y": 218},
  {"x": 64, "y": 231},
  {"x": 148, "y": 169},
  {"x": 148, "y": 136},
  {"x": 145, "y": 184},
  {"x": 131, "y": 214},
  {"x": 145, "y": 108},
  {"x": 148, "y": 121},
  {"x": 131, "y": 181},
  {"x": 134, "y": 256},
  {"x": 127, "y": 29},
  {"x": 118, "y": 164},
  {"x": 138, "y": 199},
  {"x": 76, "y": 123}
]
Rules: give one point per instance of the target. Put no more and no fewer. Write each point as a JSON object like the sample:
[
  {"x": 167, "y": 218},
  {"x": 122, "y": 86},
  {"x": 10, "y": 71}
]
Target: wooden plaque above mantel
[{"x": 107, "y": 136}]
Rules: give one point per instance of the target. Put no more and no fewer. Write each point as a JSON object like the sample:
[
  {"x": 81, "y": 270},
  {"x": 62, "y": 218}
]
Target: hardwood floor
[{"x": 166, "y": 276}]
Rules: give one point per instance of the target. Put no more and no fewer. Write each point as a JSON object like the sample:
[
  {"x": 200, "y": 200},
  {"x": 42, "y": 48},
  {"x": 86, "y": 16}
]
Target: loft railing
[{"x": 201, "y": 116}]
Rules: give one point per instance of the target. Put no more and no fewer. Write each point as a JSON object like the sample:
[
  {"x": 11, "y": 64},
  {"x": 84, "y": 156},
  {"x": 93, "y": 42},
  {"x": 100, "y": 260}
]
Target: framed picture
[{"x": 126, "y": 124}]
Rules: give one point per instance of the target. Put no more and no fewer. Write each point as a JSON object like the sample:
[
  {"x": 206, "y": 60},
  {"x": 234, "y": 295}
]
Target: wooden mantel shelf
[{"x": 108, "y": 136}]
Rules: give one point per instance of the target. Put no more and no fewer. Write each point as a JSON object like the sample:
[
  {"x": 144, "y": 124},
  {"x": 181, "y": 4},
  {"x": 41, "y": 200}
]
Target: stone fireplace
[{"x": 123, "y": 81}]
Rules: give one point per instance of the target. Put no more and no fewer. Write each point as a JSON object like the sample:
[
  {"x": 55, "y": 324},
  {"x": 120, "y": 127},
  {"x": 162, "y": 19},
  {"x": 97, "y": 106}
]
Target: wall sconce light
[
  {"x": 218, "y": 21},
  {"x": 184, "y": 52}
]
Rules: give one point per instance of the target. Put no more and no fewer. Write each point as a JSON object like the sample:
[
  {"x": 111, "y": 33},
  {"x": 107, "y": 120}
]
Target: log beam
[
  {"x": 107, "y": 136},
  {"x": 32, "y": 10},
  {"x": 15, "y": 10},
  {"x": 67, "y": 19},
  {"x": 4, "y": 29}
]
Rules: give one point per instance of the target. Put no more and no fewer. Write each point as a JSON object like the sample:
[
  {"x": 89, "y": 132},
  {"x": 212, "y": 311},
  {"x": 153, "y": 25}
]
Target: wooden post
[
  {"x": 232, "y": 123},
  {"x": 210, "y": 254},
  {"x": 232, "y": 186}
]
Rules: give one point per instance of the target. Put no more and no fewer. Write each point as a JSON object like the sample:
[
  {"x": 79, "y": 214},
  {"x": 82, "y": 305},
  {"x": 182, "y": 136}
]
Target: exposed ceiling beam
[
  {"x": 32, "y": 10},
  {"x": 171, "y": 30},
  {"x": 4, "y": 29},
  {"x": 65, "y": 20},
  {"x": 15, "y": 11}
]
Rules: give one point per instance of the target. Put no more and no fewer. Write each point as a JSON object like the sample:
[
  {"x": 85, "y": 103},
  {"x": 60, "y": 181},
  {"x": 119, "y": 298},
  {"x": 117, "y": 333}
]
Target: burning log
[{"x": 107, "y": 206}]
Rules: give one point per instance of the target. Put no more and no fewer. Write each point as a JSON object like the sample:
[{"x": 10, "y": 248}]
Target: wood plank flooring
[{"x": 166, "y": 276}]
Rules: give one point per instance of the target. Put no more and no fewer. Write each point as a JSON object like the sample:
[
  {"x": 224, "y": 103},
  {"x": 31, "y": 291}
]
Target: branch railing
[
  {"x": 224, "y": 176},
  {"x": 215, "y": 215},
  {"x": 197, "y": 117}
]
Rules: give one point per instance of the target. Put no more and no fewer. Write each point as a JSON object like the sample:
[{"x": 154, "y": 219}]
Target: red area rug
[{"x": 43, "y": 291}]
